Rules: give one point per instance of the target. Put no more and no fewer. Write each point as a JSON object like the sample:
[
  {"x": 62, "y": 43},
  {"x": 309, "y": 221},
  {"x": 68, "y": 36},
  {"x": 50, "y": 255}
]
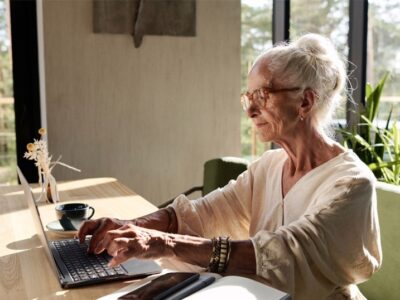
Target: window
[
  {"x": 329, "y": 18},
  {"x": 7, "y": 123},
  {"x": 383, "y": 54},
  {"x": 256, "y": 38}
]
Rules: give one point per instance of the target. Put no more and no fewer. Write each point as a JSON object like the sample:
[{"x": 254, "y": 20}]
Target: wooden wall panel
[{"x": 149, "y": 116}]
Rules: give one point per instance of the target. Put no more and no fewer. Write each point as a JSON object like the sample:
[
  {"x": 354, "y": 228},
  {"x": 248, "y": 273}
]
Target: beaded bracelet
[
  {"x": 225, "y": 251},
  {"x": 221, "y": 249},
  {"x": 214, "y": 260}
]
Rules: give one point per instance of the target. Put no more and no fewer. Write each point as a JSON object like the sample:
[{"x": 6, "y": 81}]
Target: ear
[{"x": 307, "y": 102}]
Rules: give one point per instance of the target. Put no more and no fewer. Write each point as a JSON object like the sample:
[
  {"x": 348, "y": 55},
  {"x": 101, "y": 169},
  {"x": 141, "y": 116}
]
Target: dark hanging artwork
[{"x": 145, "y": 17}]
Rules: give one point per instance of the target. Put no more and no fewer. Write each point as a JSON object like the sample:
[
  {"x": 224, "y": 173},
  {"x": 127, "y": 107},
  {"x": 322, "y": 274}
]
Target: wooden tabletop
[{"x": 25, "y": 272}]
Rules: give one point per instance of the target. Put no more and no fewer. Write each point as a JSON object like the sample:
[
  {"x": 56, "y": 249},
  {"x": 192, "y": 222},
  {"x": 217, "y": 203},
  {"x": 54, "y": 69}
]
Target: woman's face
[{"x": 277, "y": 120}]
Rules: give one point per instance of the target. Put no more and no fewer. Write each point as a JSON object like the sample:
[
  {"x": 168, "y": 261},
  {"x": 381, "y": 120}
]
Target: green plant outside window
[{"x": 377, "y": 146}]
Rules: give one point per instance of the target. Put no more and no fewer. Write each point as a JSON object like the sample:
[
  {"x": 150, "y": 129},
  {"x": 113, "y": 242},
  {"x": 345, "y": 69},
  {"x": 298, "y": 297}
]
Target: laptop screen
[{"x": 36, "y": 219}]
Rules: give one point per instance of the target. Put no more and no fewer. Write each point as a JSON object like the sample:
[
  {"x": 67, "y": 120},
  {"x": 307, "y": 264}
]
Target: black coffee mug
[{"x": 72, "y": 215}]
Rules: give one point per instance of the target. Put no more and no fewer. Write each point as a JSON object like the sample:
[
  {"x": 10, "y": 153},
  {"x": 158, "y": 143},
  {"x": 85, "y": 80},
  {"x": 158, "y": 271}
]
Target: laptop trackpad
[{"x": 141, "y": 266}]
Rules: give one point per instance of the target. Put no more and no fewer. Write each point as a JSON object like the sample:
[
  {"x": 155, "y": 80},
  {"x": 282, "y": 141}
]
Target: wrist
[
  {"x": 190, "y": 249},
  {"x": 137, "y": 222},
  {"x": 172, "y": 222},
  {"x": 169, "y": 244}
]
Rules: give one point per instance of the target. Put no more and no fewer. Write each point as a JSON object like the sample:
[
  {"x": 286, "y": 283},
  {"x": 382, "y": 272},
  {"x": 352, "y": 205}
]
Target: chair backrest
[
  {"x": 385, "y": 284},
  {"x": 219, "y": 171}
]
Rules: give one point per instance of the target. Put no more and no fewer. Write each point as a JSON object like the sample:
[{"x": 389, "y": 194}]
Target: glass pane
[
  {"x": 7, "y": 125},
  {"x": 256, "y": 38},
  {"x": 326, "y": 17},
  {"x": 384, "y": 53},
  {"x": 329, "y": 18}
]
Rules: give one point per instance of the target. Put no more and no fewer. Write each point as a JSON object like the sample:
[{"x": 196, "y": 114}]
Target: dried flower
[
  {"x": 38, "y": 152},
  {"x": 42, "y": 131},
  {"x": 31, "y": 147}
]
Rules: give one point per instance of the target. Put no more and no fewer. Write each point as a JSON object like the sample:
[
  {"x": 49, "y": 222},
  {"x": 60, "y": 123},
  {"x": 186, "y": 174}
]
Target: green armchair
[
  {"x": 217, "y": 173},
  {"x": 385, "y": 284}
]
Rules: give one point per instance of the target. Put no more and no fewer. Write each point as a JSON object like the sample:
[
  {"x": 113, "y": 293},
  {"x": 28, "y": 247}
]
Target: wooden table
[{"x": 25, "y": 272}]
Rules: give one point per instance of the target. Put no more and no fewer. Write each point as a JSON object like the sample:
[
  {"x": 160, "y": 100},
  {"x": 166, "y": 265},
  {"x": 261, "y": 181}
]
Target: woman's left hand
[{"x": 133, "y": 241}]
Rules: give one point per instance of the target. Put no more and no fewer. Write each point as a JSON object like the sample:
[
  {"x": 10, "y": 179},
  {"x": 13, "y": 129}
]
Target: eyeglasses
[{"x": 260, "y": 96}]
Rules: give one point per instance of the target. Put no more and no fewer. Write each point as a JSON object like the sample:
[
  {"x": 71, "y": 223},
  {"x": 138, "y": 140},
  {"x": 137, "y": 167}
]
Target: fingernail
[
  {"x": 90, "y": 249},
  {"x": 98, "y": 249}
]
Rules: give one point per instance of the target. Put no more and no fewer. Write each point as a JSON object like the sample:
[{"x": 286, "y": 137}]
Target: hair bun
[{"x": 315, "y": 44}]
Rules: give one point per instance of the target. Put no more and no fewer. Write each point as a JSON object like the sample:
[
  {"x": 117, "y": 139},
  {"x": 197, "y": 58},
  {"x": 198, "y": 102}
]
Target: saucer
[{"x": 56, "y": 227}]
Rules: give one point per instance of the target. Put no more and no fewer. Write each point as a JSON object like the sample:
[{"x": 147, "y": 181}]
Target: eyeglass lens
[{"x": 258, "y": 97}]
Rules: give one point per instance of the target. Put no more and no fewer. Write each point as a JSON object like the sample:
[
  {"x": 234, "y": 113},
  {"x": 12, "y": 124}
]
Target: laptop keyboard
[{"x": 84, "y": 266}]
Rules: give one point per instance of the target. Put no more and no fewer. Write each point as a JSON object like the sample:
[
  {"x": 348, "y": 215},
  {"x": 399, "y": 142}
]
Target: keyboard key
[
  {"x": 84, "y": 277},
  {"x": 84, "y": 266},
  {"x": 111, "y": 272}
]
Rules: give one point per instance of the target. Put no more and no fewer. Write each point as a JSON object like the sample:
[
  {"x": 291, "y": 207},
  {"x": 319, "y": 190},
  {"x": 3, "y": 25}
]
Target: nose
[{"x": 253, "y": 110}]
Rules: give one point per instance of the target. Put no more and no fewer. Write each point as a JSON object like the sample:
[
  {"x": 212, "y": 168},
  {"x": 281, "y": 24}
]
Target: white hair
[{"x": 310, "y": 62}]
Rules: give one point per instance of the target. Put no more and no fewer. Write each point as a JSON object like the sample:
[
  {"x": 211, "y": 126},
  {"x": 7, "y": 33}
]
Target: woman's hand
[
  {"x": 161, "y": 220},
  {"x": 98, "y": 228},
  {"x": 134, "y": 241},
  {"x": 124, "y": 239}
]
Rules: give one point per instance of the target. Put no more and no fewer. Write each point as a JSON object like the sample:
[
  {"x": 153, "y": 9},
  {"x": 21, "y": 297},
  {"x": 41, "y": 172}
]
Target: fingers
[
  {"x": 102, "y": 244},
  {"x": 128, "y": 241},
  {"x": 87, "y": 228},
  {"x": 121, "y": 257},
  {"x": 111, "y": 235},
  {"x": 117, "y": 245},
  {"x": 98, "y": 236},
  {"x": 97, "y": 228},
  {"x": 122, "y": 249}
]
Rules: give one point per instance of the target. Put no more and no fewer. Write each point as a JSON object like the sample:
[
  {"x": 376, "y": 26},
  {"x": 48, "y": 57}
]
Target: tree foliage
[
  {"x": 256, "y": 38},
  {"x": 6, "y": 84}
]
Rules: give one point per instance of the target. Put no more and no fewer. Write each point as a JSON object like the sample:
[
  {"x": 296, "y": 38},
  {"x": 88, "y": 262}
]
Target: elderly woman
[{"x": 303, "y": 217}]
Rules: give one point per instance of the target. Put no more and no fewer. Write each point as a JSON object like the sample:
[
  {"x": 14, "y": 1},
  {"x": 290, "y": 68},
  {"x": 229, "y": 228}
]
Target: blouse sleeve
[
  {"x": 225, "y": 211},
  {"x": 335, "y": 246}
]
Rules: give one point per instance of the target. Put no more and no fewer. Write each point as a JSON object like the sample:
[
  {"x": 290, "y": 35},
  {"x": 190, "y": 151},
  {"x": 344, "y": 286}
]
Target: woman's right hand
[
  {"x": 98, "y": 229},
  {"x": 160, "y": 220}
]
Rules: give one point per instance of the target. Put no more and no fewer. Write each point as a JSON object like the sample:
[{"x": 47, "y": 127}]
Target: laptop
[{"x": 71, "y": 263}]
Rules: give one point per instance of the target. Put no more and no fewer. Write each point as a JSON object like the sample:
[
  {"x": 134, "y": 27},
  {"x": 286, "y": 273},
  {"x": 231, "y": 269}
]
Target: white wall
[{"x": 149, "y": 116}]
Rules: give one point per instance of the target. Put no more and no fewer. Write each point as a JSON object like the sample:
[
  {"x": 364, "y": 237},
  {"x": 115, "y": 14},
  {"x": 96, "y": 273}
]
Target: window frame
[{"x": 25, "y": 66}]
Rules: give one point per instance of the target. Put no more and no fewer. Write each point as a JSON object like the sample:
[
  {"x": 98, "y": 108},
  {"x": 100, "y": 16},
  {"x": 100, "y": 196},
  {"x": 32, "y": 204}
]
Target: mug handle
[{"x": 93, "y": 210}]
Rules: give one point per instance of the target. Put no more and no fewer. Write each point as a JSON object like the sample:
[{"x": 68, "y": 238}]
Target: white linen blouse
[{"x": 317, "y": 242}]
